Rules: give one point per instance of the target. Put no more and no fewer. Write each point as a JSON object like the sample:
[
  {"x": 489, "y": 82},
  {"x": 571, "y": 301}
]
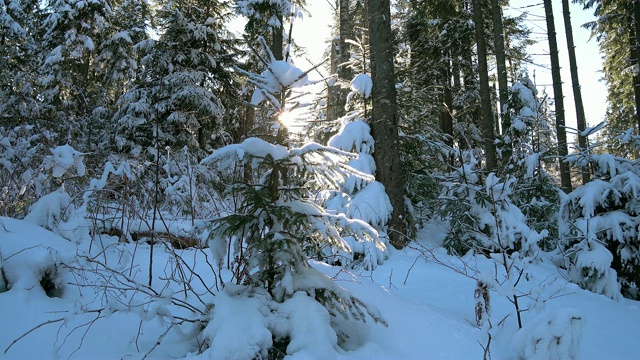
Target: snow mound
[
  {"x": 30, "y": 252},
  {"x": 552, "y": 335}
]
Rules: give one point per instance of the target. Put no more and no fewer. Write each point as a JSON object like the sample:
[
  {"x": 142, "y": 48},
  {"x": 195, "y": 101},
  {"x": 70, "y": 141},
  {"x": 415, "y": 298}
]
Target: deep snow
[{"x": 429, "y": 308}]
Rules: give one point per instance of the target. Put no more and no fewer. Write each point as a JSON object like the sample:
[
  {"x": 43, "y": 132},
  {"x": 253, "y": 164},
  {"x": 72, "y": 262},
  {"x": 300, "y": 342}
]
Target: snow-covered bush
[
  {"x": 600, "y": 228},
  {"x": 359, "y": 197},
  {"x": 528, "y": 145},
  {"x": 23, "y": 178},
  {"x": 56, "y": 211},
  {"x": 483, "y": 217},
  {"x": 551, "y": 335},
  {"x": 267, "y": 237}
]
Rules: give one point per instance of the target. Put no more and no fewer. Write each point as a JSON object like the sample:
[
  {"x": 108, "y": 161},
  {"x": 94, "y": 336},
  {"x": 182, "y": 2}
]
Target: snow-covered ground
[{"x": 429, "y": 308}]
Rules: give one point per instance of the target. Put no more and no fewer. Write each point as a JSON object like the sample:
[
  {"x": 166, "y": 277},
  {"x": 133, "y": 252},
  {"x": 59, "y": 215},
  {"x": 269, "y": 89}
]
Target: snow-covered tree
[
  {"x": 72, "y": 31},
  {"x": 19, "y": 57},
  {"x": 178, "y": 97},
  {"x": 599, "y": 226},
  {"x": 277, "y": 223}
]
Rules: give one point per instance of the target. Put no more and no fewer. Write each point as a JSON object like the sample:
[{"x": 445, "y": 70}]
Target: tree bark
[
  {"x": 498, "y": 43},
  {"x": 575, "y": 84},
  {"x": 384, "y": 117},
  {"x": 340, "y": 53},
  {"x": 634, "y": 37},
  {"x": 565, "y": 175},
  {"x": 485, "y": 92}
]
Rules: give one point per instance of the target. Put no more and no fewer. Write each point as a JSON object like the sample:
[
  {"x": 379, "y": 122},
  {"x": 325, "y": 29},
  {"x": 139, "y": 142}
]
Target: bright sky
[
  {"x": 594, "y": 92},
  {"x": 314, "y": 31}
]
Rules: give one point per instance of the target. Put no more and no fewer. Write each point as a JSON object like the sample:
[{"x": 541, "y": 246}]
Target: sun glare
[{"x": 287, "y": 119}]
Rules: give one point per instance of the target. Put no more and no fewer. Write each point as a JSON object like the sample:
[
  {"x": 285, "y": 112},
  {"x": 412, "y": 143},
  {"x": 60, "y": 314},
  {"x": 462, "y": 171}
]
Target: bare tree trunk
[
  {"x": 337, "y": 94},
  {"x": 333, "y": 90},
  {"x": 498, "y": 41},
  {"x": 575, "y": 83},
  {"x": 485, "y": 92},
  {"x": 277, "y": 39},
  {"x": 565, "y": 175},
  {"x": 384, "y": 117},
  {"x": 634, "y": 38},
  {"x": 346, "y": 24}
]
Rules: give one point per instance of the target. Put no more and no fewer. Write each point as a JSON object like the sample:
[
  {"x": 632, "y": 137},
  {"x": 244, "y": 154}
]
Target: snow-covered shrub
[
  {"x": 22, "y": 175},
  {"x": 483, "y": 217},
  {"x": 553, "y": 335},
  {"x": 32, "y": 263},
  {"x": 600, "y": 229},
  {"x": 359, "y": 197},
  {"x": 529, "y": 142},
  {"x": 267, "y": 236},
  {"x": 56, "y": 211}
]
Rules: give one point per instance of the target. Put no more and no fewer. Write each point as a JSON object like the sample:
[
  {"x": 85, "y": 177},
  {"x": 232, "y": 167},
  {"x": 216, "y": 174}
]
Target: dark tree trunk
[
  {"x": 277, "y": 39},
  {"x": 333, "y": 90},
  {"x": 565, "y": 175},
  {"x": 634, "y": 37},
  {"x": 575, "y": 84},
  {"x": 337, "y": 97},
  {"x": 485, "y": 91},
  {"x": 384, "y": 117},
  {"x": 346, "y": 24},
  {"x": 498, "y": 43},
  {"x": 447, "y": 108}
]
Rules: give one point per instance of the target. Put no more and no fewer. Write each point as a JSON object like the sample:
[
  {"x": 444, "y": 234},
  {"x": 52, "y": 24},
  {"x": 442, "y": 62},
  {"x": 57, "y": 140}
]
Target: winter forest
[{"x": 176, "y": 185}]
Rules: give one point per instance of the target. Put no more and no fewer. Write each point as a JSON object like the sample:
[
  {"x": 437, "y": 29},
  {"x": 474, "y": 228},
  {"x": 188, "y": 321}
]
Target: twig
[{"x": 32, "y": 330}]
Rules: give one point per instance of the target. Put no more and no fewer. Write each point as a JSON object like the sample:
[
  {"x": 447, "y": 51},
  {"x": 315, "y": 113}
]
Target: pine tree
[
  {"x": 565, "y": 175},
  {"x": 384, "y": 117},
  {"x": 185, "y": 73},
  {"x": 19, "y": 57},
  {"x": 72, "y": 31},
  {"x": 575, "y": 85},
  {"x": 616, "y": 30},
  {"x": 486, "y": 105}
]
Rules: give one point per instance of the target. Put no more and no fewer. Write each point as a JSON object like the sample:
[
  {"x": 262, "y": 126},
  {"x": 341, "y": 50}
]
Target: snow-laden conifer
[{"x": 276, "y": 223}]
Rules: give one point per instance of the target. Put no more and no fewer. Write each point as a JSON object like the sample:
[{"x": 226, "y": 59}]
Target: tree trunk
[
  {"x": 346, "y": 24},
  {"x": 277, "y": 39},
  {"x": 447, "y": 107},
  {"x": 340, "y": 54},
  {"x": 485, "y": 92},
  {"x": 634, "y": 35},
  {"x": 333, "y": 89},
  {"x": 565, "y": 175},
  {"x": 384, "y": 117},
  {"x": 575, "y": 83},
  {"x": 498, "y": 41}
]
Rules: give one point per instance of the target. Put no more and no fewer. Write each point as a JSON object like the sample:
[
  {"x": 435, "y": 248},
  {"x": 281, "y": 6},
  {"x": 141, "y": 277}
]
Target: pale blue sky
[{"x": 313, "y": 32}]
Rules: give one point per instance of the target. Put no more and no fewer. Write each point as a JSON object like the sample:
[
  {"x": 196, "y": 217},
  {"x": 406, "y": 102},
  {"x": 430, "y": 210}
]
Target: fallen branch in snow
[
  {"x": 32, "y": 330},
  {"x": 177, "y": 241}
]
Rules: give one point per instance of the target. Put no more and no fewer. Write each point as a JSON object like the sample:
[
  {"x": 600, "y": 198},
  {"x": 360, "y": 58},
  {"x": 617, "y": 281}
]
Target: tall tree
[
  {"x": 186, "y": 74},
  {"x": 575, "y": 83},
  {"x": 498, "y": 43},
  {"x": 485, "y": 92},
  {"x": 19, "y": 59},
  {"x": 340, "y": 56},
  {"x": 73, "y": 31},
  {"x": 617, "y": 30},
  {"x": 384, "y": 117},
  {"x": 565, "y": 175}
]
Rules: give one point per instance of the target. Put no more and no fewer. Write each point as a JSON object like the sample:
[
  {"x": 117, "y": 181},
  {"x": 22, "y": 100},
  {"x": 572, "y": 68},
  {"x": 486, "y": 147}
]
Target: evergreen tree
[
  {"x": 488, "y": 124},
  {"x": 384, "y": 117},
  {"x": 185, "y": 74},
  {"x": 565, "y": 175},
  {"x": 72, "y": 31},
  {"x": 616, "y": 28},
  {"x": 575, "y": 85},
  {"x": 19, "y": 57}
]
